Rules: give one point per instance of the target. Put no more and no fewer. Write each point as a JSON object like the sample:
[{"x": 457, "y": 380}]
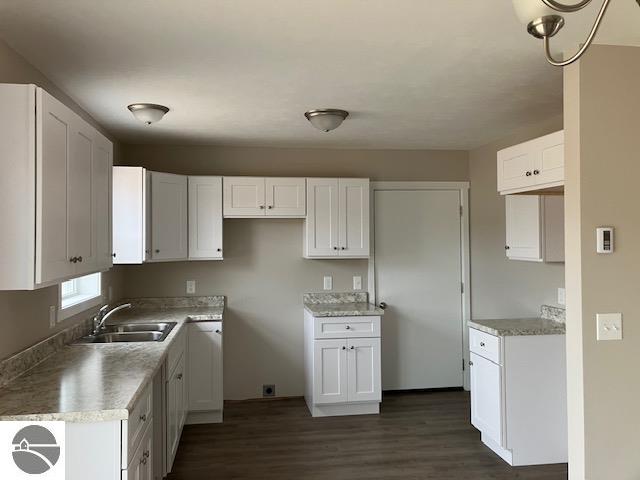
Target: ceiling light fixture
[
  {"x": 543, "y": 21},
  {"x": 326, "y": 119},
  {"x": 148, "y": 112}
]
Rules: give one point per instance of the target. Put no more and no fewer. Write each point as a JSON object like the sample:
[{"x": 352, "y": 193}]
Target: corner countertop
[
  {"x": 506, "y": 327},
  {"x": 355, "y": 309},
  {"x": 96, "y": 382}
]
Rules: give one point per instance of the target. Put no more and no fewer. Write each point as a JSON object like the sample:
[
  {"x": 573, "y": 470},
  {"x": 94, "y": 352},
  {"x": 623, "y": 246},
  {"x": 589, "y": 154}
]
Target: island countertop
[{"x": 96, "y": 382}]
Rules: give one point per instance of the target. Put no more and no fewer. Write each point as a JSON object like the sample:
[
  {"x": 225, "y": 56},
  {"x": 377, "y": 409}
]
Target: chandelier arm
[
  {"x": 561, "y": 7},
  {"x": 583, "y": 48}
]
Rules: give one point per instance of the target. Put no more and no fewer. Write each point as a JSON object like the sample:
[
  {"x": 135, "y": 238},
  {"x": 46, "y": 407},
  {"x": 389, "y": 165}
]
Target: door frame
[{"x": 465, "y": 293}]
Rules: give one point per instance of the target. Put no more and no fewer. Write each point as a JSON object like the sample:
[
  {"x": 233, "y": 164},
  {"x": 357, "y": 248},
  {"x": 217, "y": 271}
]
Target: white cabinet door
[
  {"x": 523, "y": 227},
  {"x": 244, "y": 197},
  {"x": 285, "y": 197},
  {"x": 53, "y": 260},
  {"x": 141, "y": 464},
  {"x": 101, "y": 185},
  {"x": 168, "y": 216},
  {"x": 176, "y": 409},
  {"x": 205, "y": 218},
  {"x": 354, "y": 217},
  {"x": 486, "y": 397},
  {"x": 129, "y": 215},
  {"x": 549, "y": 159},
  {"x": 205, "y": 366},
  {"x": 321, "y": 226},
  {"x": 330, "y": 376},
  {"x": 515, "y": 167},
  {"x": 363, "y": 369}
]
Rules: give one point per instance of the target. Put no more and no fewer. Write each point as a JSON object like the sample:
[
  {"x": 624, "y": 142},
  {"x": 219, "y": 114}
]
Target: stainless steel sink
[
  {"x": 130, "y": 332},
  {"x": 137, "y": 327}
]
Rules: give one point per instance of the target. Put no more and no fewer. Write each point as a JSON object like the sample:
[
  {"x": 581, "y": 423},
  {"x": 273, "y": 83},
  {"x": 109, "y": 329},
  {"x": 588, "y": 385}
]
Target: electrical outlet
[
  {"x": 268, "y": 390},
  {"x": 191, "y": 287},
  {"x": 328, "y": 282},
  {"x": 52, "y": 316},
  {"x": 357, "y": 282},
  {"x": 562, "y": 296},
  {"x": 609, "y": 326}
]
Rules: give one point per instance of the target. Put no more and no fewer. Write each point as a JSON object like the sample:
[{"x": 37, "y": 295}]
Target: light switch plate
[
  {"x": 357, "y": 282},
  {"x": 191, "y": 287},
  {"x": 562, "y": 296},
  {"x": 328, "y": 282},
  {"x": 609, "y": 326}
]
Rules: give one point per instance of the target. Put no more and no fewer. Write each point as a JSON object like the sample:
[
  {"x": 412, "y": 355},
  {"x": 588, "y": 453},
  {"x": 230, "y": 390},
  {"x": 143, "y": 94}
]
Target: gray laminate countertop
[
  {"x": 96, "y": 382},
  {"x": 506, "y": 327},
  {"x": 358, "y": 309}
]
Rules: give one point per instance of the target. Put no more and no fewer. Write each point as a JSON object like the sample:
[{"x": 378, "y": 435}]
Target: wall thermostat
[{"x": 604, "y": 242}]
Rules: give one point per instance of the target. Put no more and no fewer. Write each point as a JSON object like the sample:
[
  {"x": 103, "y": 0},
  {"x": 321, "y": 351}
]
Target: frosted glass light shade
[
  {"x": 148, "y": 112},
  {"x": 529, "y": 10},
  {"x": 326, "y": 119}
]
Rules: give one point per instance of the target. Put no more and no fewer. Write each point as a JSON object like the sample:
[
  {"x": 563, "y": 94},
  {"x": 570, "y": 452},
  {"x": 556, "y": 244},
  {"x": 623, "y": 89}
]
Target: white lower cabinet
[
  {"x": 518, "y": 396},
  {"x": 342, "y": 374},
  {"x": 141, "y": 464},
  {"x": 205, "y": 372}
]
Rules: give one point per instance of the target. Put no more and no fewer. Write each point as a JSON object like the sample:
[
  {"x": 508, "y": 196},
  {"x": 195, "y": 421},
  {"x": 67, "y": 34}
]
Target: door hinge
[
  {"x": 463, "y": 367},
  {"x": 461, "y": 210},
  {"x": 461, "y": 287}
]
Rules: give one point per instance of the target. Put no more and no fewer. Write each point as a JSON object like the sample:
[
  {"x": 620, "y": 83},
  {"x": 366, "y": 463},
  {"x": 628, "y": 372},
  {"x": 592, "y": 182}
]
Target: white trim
[
  {"x": 463, "y": 188},
  {"x": 82, "y": 302}
]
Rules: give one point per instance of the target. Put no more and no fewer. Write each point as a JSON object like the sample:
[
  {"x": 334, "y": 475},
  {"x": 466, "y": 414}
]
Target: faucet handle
[{"x": 103, "y": 310}]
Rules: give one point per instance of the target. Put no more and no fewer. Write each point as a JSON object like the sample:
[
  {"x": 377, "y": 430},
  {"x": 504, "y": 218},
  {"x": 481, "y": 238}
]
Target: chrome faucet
[{"x": 104, "y": 313}]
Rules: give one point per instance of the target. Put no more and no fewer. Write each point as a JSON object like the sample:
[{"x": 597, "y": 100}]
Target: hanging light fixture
[
  {"x": 148, "y": 112},
  {"x": 326, "y": 119},
  {"x": 543, "y": 20}
]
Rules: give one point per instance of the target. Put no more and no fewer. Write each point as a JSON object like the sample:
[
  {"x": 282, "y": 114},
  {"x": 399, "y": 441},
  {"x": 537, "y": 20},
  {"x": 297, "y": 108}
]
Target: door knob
[{"x": 382, "y": 305}]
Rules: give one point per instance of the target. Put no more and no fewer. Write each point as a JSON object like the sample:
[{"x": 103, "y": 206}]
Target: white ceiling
[{"x": 413, "y": 73}]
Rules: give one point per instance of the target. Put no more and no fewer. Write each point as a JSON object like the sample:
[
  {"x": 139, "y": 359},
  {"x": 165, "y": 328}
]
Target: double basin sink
[{"x": 130, "y": 332}]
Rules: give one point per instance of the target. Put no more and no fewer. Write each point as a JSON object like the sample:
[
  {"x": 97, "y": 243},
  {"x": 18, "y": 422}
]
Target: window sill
[{"x": 81, "y": 304}]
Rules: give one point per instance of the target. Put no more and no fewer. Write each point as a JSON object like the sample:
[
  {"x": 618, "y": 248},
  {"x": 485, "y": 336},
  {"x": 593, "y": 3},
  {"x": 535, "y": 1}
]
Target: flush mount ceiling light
[
  {"x": 543, "y": 20},
  {"x": 326, "y": 119},
  {"x": 148, "y": 112}
]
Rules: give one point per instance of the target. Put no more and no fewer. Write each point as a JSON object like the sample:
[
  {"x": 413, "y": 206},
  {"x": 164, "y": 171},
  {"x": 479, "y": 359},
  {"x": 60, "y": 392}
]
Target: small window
[{"x": 79, "y": 294}]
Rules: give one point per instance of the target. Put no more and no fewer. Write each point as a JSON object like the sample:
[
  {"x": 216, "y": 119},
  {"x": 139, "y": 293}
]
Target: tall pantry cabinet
[{"x": 55, "y": 191}]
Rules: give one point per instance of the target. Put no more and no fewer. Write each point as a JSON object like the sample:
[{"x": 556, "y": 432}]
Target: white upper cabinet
[
  {"x": 251, "y": 197},
  {"x": 534, "y": 165},
  {"x": 337, "y": 222},
  {"x": 205, "y": 218},
  {"x": 285, "y": 197},
  {"x": 169, "y": 214},
  {"x": 535, "y": 228},
  {"x": 244, "y": 197},
  {"x": 131, "y": 215},
  {"x": 55, "y": 190}
]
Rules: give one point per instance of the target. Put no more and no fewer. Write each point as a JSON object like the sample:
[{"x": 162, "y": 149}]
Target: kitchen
[{"x": 306, "y": 272}]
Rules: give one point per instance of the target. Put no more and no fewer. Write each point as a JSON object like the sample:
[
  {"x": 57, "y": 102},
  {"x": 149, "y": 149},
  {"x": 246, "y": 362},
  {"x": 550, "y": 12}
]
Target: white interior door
[{"x": 418, "y": 274}]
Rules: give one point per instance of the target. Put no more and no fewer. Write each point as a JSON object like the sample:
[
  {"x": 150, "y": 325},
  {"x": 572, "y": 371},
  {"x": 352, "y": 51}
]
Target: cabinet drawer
[
  {"x": 485, "y": 345},
  {"x": 139, "y": 419},
  {"x": 176, "y": 350},
  {"x": 346, "y": 327}
]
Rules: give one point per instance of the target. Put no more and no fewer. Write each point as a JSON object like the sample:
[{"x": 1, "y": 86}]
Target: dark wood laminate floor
[{"x": 417, "y": 436}]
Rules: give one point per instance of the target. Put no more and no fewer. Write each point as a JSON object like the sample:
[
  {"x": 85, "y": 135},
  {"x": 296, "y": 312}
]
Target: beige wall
[
  {"x": 500, "y": 287},
  {"x": 24, "y": 316},
  {"x": 602, "y": 101},
  {"x": 263, "y": 273}
]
